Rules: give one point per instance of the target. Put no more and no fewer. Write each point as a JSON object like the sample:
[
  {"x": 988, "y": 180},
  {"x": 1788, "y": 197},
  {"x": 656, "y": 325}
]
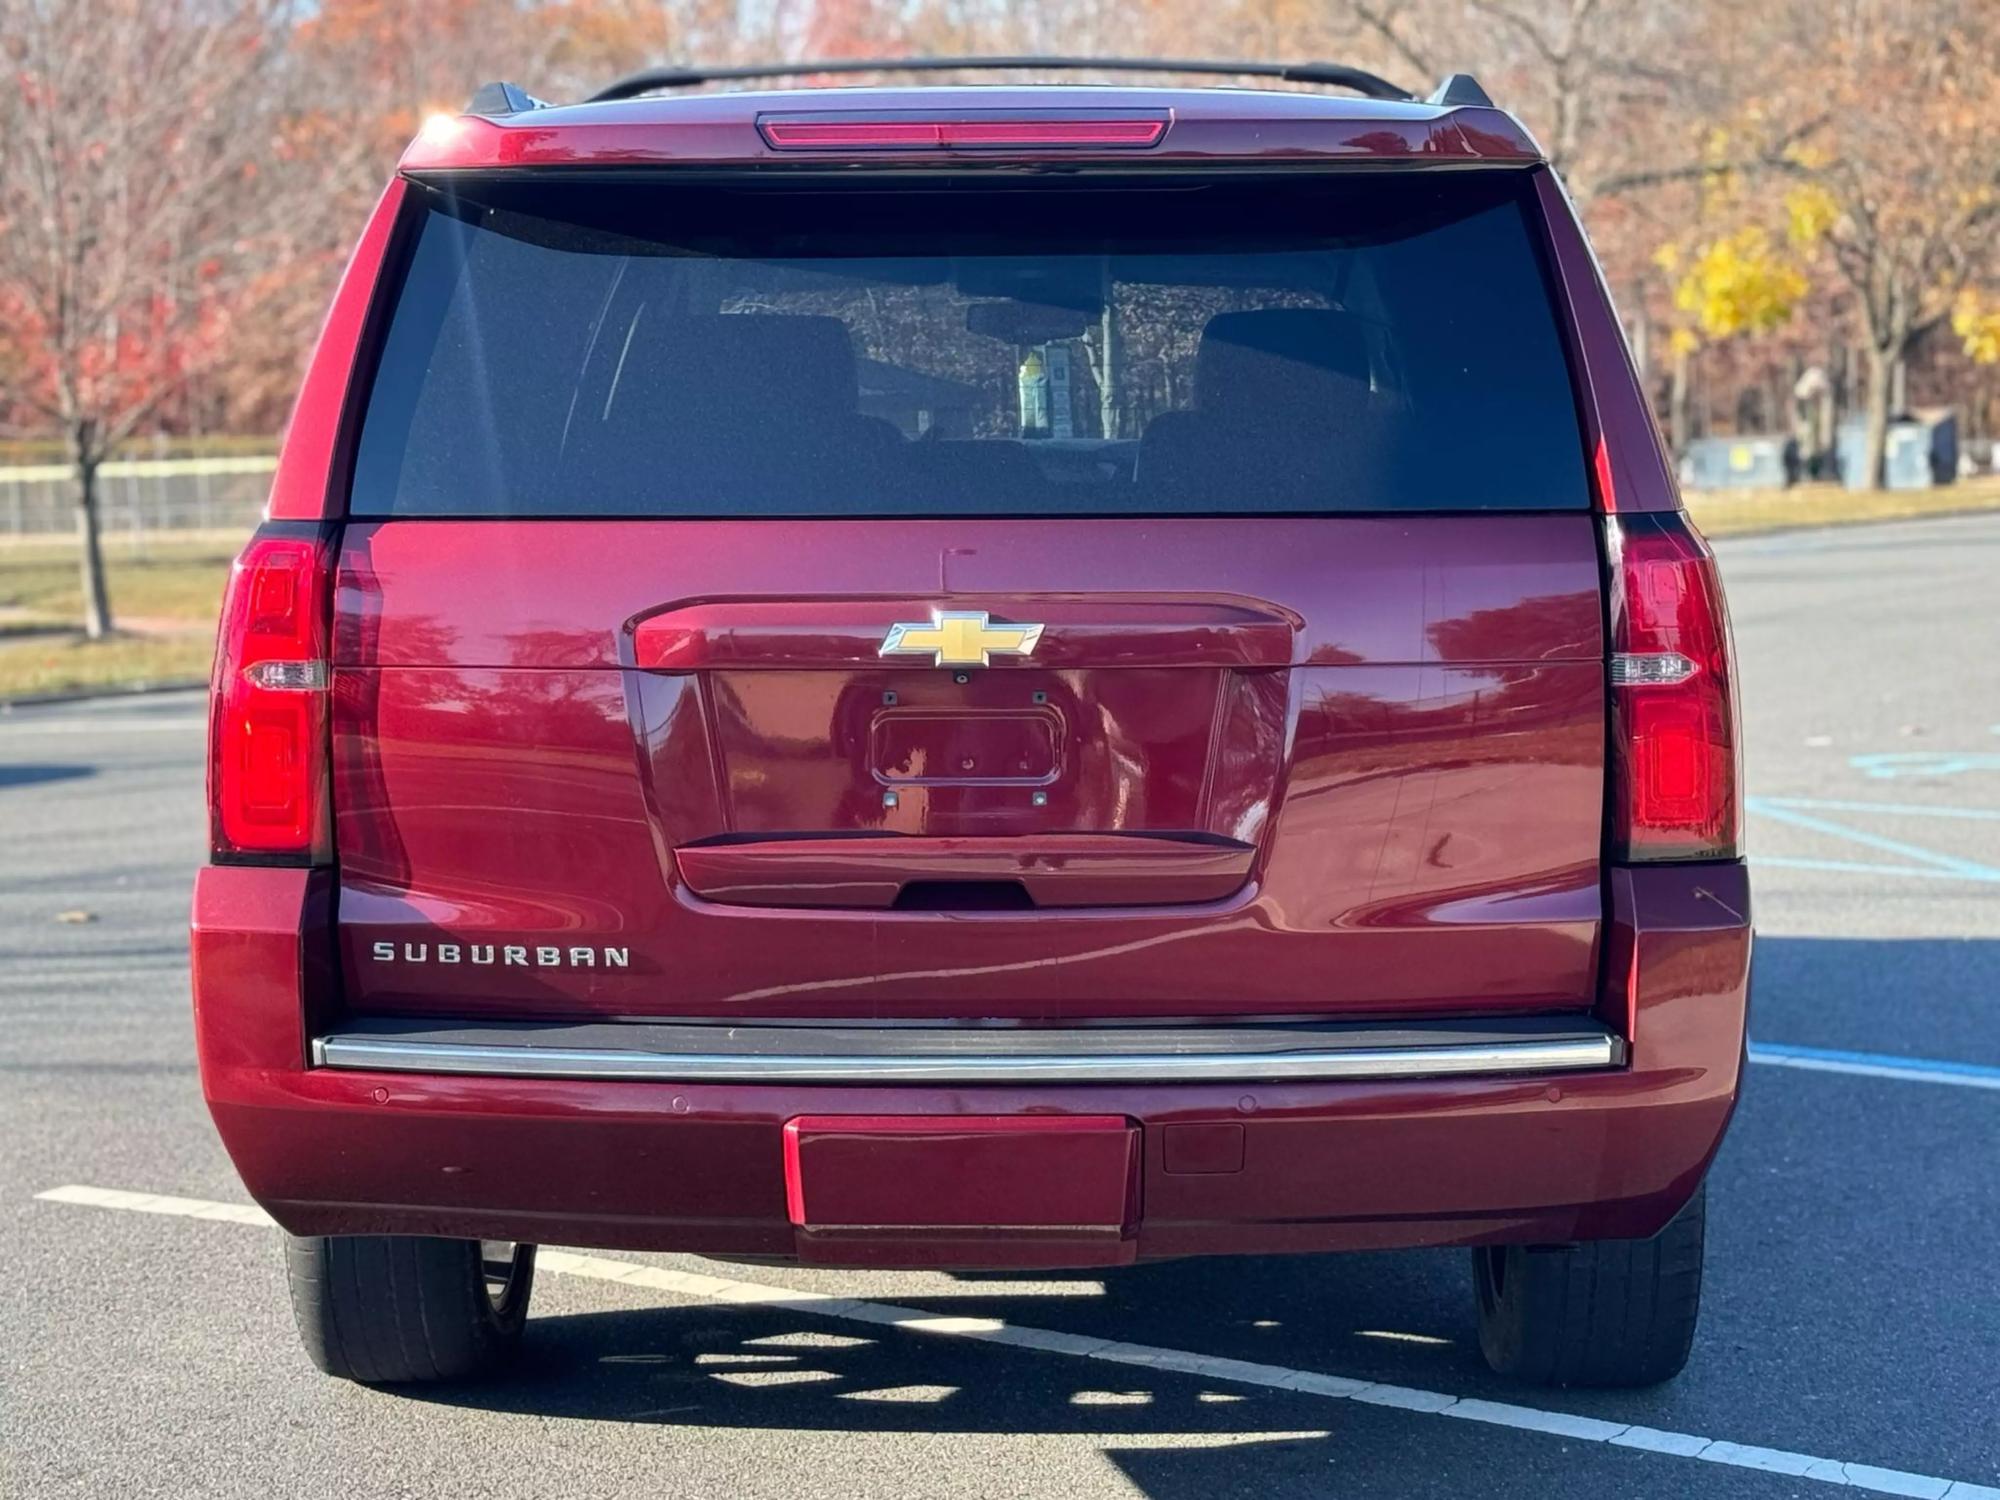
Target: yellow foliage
[
  {"x": 1972, "y": 200},
  {"x": 1810, "y": 213},
  {"x": 1683, "y": 341},
  {"x": 1740, "y": 284},
  {"x": 1721, "y": 183},
  {"x": 1721, "y": 190},
  {"x": 1977, "y": 323}
]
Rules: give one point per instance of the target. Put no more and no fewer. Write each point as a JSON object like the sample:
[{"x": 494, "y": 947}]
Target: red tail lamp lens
[
  {"x": 267, "y": 705},
  {"x": 1676, "y": 761},
  {"x": 903, "y": 133}
]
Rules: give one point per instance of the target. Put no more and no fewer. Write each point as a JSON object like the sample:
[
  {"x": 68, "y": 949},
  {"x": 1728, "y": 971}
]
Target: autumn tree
[
  {"x": 1900, "y": 181},
  {"x": 1717, "y": 152},
  {"x": 1618, "y": 92},
  {"x": 1730, "y": 277},
  {"x": 1623, "y": 96},
  {"x": 132, "y": 131}
]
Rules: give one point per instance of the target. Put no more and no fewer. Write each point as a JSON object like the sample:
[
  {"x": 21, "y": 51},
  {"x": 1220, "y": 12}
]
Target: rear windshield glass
[{"x": 1355, "y": 343}]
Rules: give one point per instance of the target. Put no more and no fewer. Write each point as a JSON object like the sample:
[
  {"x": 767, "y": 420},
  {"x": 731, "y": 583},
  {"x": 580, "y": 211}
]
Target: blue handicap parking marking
[
  {"x": 1809, "y": 813},
  {"x": 1888, "y": 809},
  {"x": 1888, "y": 766}
]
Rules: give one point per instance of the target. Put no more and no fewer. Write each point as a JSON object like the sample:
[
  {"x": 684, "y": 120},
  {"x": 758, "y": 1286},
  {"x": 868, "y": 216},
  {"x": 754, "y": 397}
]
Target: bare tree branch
[{"x": 1383, "y": 23}]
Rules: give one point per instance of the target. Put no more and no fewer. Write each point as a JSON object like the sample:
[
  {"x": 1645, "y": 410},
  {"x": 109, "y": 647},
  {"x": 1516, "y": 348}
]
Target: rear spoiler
[{"x": 497, "y": 100}]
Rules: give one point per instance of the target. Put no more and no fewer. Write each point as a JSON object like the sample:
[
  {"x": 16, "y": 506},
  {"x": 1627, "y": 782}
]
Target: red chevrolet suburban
[{"x": 971, "y": 677}]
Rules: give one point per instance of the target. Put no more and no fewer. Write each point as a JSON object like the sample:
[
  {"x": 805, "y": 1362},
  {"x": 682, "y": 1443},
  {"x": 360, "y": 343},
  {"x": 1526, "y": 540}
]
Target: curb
[{"x": 85, "y": 695}]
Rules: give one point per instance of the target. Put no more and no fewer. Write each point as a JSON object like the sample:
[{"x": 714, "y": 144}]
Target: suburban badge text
[{"x": 505, "y": 955}]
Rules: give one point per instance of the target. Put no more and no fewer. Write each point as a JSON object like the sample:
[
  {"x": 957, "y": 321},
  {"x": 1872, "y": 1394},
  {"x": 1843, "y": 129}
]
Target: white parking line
[
  {"x": 720, "y": 1289},
  {"x": 159, "y": 1203}
]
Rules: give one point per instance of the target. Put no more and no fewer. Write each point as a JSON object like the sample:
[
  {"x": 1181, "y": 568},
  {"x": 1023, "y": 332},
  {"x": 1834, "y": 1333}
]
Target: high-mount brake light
[
  {"x": 972, "y": 133},
  {"x": 1676, "y": 766},
  {"x": 268, "y": 748}
]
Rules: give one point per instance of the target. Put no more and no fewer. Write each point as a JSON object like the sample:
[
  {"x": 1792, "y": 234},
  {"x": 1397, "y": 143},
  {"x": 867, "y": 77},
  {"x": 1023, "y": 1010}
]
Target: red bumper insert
[{"x": 964, "y": 1190}]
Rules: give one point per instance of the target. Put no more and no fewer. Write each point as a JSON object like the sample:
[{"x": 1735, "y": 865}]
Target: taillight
[
  {"x": 1676, "y": 766},
  {"x": 268, "y": 752}
]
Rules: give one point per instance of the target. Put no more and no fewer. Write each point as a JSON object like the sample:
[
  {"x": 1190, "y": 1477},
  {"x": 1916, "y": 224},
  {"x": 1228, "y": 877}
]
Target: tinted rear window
[{"x": 1356, "y": 343}]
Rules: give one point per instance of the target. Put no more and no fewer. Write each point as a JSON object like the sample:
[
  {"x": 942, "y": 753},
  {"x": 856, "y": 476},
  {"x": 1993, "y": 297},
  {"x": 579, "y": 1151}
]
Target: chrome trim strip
[{"x": 1453, "y": 1061}]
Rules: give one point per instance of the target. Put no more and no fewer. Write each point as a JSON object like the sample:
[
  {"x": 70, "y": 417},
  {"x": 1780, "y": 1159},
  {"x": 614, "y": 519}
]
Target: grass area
[
  {"x": 173, "y": 590},
  {"x": 66, "y": 662},
  {"x": 1723, "y": 512},
  {"x": 172, "y": 580}
]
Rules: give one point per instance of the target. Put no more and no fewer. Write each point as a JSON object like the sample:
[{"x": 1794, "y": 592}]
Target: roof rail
[{"x": 1335, "y": 75}]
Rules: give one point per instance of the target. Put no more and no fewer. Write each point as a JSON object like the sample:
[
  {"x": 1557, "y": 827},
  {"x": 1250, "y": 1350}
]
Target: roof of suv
[{"x": 1199, "y": 124}]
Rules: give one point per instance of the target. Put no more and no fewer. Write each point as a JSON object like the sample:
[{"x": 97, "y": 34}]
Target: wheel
[
  {"x": 1606, "y": 1312},
  {"x": 382, "y": 1308}
]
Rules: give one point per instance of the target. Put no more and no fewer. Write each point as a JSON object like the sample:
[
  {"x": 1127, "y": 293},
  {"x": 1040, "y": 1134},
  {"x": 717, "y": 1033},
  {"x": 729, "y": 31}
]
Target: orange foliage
[{"x": 1671, "y": 122}]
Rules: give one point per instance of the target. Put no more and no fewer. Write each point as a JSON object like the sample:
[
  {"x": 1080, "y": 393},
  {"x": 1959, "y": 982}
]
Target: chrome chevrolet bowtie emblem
[{"x": 961, "y": 638}]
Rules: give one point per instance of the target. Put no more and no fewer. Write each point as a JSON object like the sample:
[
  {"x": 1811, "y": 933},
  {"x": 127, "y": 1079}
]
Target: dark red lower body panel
[
  {"x": 1268, "y": 1167},
  {"x": 1011, "y": 1190}
]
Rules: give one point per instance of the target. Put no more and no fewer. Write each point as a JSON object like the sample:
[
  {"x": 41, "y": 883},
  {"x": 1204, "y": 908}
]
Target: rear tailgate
[{"x": 754, "y": 629}]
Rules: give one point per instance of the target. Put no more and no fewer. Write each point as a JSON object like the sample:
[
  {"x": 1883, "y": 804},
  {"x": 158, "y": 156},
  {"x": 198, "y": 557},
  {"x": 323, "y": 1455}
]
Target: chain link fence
[{"x": 138, "y": 497}]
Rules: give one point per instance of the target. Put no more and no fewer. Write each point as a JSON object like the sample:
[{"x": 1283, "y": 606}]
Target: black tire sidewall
[
  {"x": 1546, "y": 1320},
  {"x": 395, "y": 1309}
]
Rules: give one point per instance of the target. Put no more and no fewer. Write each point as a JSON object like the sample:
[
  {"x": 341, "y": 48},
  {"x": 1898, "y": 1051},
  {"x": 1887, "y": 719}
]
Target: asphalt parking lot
[{"x": 1852, "y": 1321}]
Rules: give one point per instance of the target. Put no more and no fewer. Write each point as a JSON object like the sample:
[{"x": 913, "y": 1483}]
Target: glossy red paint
[
  {"x": 559, "y": 594},
  {"x": 592, "y": 731},
  {"x": 1630, "y": 465},
  {"x": 261, "y": 944},
  {"x": 1064, "y": 869},
  {"x": 1204, "y": 125},
  {"x": 1422, "y": 788},
  {"x": 311, "y": 481},
  {"x": 701, "y": 1168},
  {"x": 1012, "y": 1190},
  {"x": 1127, "y": 631},
  {"x": 1201, "y": 1149}
]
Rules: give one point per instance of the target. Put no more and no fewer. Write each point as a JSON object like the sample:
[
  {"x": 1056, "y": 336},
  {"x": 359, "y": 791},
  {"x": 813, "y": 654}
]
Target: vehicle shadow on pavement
[
  {"x": 1401, "y": 1317},
  {"x": 40, "y": 773},
  {"x": 1916, "y": 997},
  {"x": 752, "y": 1365},
  {"x": 1887, "y": 1172}
]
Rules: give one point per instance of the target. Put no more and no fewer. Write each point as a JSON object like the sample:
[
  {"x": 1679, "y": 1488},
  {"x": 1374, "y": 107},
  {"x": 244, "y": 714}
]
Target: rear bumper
[
  {"x": 679, "y": 1053},
  {"x": 1222, "y": 1166}
]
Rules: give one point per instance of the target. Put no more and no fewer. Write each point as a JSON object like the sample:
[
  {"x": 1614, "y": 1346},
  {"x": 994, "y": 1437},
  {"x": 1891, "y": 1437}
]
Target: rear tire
[
  {"x": 384, "y": 1309},
  {"x": 1602, "y": 1313}
]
